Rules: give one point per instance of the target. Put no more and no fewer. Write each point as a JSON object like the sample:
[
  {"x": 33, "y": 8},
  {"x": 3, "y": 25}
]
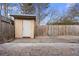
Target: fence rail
[
  {"x": 51, "y": 30},
  {"x": 6, "y": 29}
]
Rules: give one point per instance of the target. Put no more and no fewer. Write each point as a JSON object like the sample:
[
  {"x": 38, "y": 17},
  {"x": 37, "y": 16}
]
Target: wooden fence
[
  {"x": 57, "y": 30},
  {"x": 6, "y": 29}
]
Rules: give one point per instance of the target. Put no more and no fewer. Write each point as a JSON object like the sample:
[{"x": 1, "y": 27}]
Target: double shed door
[
  {"x": 28, "y": 28},
  {"x": 24, "y": 28}
]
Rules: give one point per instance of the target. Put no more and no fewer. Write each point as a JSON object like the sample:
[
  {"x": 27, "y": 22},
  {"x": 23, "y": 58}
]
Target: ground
[
  {"x": 42, "y": 46},
  {"x": 48, "y": 39},
  {"x": 39, "y": 49}
]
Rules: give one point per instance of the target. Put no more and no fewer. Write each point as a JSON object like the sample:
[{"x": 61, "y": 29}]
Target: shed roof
[{"x": 27, "y": 17}]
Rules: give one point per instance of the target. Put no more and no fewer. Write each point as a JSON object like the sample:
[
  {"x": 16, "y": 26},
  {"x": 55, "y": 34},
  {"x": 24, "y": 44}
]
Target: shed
[{"x": 24, "y": 26}]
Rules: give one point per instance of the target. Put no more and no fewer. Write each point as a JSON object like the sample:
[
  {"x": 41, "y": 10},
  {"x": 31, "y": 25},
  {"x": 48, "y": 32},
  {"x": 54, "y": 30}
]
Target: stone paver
[{"x": 39, "y": 49}]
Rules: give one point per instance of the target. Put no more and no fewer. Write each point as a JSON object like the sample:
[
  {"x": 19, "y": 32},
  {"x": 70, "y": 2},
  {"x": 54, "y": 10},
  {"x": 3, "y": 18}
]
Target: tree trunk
[{"x": 5, "y": 10}]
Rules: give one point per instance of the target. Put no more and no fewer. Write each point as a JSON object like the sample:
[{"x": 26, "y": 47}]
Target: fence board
[
  {"x": 52, "y": 30},
  {"x": 6, "y": 30}
]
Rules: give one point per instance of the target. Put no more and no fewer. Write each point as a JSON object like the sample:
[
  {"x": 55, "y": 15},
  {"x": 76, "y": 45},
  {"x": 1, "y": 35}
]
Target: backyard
[
  {"x": 47, "y": 39},
  {"x": 42, "y": 46},
  {"x": 32, "y": 29}
]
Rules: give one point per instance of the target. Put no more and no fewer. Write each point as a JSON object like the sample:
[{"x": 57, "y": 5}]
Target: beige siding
[
  {"x": 32, "y": 29},
  {"x": 18, "y": 28}
]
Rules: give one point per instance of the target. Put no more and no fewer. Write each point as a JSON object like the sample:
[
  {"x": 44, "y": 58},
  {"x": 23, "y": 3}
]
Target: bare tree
[
  {"x": 5, "y": 9},
  {"x": 35, "y": 8},
  {"x": 27, "y": 8},
  {"x": 54, "y": 16},
  {"x": 40, "y": 8},
  {"x": 73, "y": 11},
  {"x": 0, "y": 8}
]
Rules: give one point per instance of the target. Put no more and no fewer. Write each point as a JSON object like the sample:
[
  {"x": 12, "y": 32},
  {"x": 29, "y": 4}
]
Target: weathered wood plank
[
  {"x": 6, "y": 30},
  {"x": 57, "y": 30}
]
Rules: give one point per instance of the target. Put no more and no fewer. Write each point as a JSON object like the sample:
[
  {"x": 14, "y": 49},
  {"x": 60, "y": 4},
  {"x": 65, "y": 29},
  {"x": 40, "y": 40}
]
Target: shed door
[
  {"x": 28, "y": 28},
  {"x": 18, "y": 28}
]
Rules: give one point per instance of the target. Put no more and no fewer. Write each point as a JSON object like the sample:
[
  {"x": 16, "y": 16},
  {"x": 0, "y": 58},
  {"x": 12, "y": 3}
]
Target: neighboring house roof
[
  {"x": 5, "y": 19},
  {"x": 30, "y": 17}
]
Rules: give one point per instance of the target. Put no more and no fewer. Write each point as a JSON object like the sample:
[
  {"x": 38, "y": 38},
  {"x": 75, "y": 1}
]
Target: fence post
[{"x": 0, "y": 32}]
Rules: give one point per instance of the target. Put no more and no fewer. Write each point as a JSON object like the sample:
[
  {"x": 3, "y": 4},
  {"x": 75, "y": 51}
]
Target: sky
[
  {"x": 61, "y": 7},
  {"x": 13, "y": 8}
]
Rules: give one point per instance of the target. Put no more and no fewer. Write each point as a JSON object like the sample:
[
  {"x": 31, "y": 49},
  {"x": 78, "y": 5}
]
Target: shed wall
[{"x": 19, "y": 28}]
